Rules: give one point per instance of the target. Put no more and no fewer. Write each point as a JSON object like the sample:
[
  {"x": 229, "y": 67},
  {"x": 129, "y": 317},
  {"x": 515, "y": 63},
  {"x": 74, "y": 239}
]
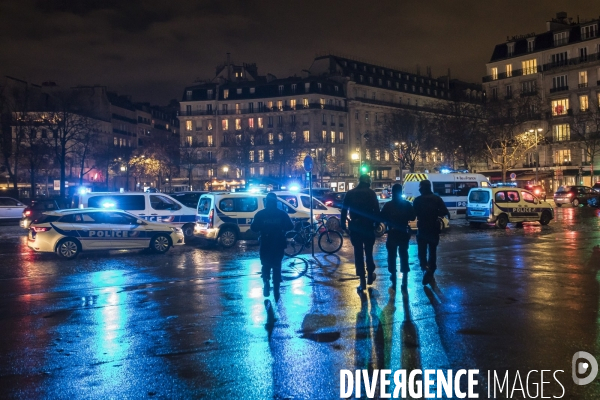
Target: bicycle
[{"x": 330, "y": 241}]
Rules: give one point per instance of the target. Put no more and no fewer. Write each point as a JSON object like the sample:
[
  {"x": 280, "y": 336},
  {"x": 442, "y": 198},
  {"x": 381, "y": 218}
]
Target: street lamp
[
  {"x": 537, "y": 153},
  {"x": 226, "y": 170}
]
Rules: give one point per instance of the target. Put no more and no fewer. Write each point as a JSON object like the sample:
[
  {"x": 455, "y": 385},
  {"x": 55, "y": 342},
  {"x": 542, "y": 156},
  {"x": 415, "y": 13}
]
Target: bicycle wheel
[
  {"x": 294, "y": 243},
  {"x": 330, "y": 241}
]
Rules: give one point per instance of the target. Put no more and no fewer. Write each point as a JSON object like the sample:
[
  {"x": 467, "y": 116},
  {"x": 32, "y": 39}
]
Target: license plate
[
  {"x": 201, "y": 226},
  {"x": 478, "y": 212}
]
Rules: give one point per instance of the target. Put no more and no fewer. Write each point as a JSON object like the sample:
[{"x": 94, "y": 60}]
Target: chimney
[{"x": 229, "y": 67}]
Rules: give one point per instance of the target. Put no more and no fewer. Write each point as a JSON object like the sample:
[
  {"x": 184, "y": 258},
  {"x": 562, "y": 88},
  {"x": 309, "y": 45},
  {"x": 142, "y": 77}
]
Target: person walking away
[
  {"x": 272, "y": 223},
  {"x": 396, "y": 214},
  {"x": 428, "y": 208},
  {"x": 361, "y": 202}
]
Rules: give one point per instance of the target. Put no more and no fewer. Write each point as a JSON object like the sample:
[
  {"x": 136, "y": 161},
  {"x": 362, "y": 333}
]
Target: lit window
[
  {"x": 280, "y": 105},
  {"x": 306, "y": 136},
  {"x": 377, "y": 155},
  {"x": 583, "y": 79},
  {"x": 238, "y": 108},
  {"x": 209, "y": 141},
  {"x": 225, "y": 124},
  {"x": 561, "y": 132},
  {"x": 562, "y": 157},
  {"x": 261, "y": 156},
  {"x": 209, "y": 125},
  {"x": 332, "y": 137},
  {"x": 584, "y": 102},
  {"x": 225, "y": 93},
  {"x": 529, "y": 67},
  {"x": 305, "y": 102},
  {"x": 271, "y": 155},
  {"x": 271, "y": 138},
  {"x": 251, "y": 155},
  {"x": 386, "y": 155},
  {"x": 270, "y": 105},
  {"x": 251, "y": 123},
  {"x": 560, "y": 107},
  {"x": 252, "y": 171},
  {"x": 333, "y": 152},
  {"x": 188, "y": 125},
  {"x": 260, "y": 123},
  {"x": 293, "y": 104},
  {"x": 238, "y": 124},
  {"x": 322, "y": 103},
  {"x": 508, "y": 70},
  {"x": 261, "y": 171},
  {"x": 324, "y": 136},
  {"x": 189, "y": 140}
]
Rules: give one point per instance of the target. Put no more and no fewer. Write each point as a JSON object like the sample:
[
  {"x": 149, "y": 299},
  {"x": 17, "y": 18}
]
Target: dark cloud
[{"x": 151, "y": 49}]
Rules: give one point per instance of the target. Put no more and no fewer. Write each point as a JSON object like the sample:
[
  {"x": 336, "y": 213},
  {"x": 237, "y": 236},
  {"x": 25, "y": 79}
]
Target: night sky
[{"x": 152, "y": 49}]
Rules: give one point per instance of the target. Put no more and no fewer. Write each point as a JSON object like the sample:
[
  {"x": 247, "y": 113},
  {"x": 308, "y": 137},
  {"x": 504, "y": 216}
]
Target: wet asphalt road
[{"x": 193, "y": 323}]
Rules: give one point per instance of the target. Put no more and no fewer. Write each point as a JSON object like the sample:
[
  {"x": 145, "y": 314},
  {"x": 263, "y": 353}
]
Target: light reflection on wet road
[{"x": 194, "y": 322}]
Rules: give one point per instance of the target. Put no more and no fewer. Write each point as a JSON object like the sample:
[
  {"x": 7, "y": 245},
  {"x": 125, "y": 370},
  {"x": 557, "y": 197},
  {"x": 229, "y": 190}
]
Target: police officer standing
[
  {"x": 272, "y": 223},
  {"x": 396, "y": 213},
  {"x": 428, "y": 207},
  {"x": 363, "y": 206}
]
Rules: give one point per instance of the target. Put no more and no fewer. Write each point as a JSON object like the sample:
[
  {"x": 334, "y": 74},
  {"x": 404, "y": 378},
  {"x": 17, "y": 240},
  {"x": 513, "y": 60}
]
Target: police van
[
  {"x": 502, "y": 205},
  {"x": 225, "y": 217},
  {"x": 68, "y": 232},
  {"x": 453, "y": 188},
  {"x": 153, "y": 207}
]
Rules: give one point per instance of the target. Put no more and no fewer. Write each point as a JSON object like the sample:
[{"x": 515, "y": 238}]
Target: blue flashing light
[
  {"x": 445, "y": 170},
  {"x": 82, "y": 190},
  {"x": 108, "y": 204},
  {"x": 294, "y": 188},
  {"x": 254, "y": 190}
]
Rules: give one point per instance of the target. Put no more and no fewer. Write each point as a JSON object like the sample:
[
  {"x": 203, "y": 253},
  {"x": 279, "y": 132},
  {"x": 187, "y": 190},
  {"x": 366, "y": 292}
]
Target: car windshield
[{"x": 479, "y": 196}]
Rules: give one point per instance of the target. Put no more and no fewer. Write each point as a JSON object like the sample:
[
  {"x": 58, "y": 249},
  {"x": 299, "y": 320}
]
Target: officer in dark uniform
[
  {"x": 429, "y": 207},
  {"x": 272, "y": 223},
  {"x": 396, "y": 213},
  {"x": 363, "y": 206}
]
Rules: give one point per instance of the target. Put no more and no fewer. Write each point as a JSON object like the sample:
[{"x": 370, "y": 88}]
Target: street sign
[
  {"x": 308, "y": 163},
  {"x": 513, "y": 176}
]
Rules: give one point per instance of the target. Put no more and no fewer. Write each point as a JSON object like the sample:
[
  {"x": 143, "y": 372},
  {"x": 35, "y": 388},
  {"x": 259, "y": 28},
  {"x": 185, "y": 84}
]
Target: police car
[
  {"x": 68, "y": 232},
  {"x": 505, "y": 204},
  {"x": 301, "y": 202}
]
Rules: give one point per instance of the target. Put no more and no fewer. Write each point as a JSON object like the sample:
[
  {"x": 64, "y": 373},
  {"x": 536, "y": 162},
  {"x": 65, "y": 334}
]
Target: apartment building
[
  {"x": 561, "y": 68},
  {"x": 330, "y": 112}
]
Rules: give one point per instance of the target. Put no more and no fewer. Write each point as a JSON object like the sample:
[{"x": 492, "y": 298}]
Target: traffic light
[{"x": 364, "y": 169}]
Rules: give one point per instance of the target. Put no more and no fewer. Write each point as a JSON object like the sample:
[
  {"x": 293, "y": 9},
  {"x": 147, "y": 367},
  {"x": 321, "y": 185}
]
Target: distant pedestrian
[
  {"x": 363, "y": 206},
  {"x": 429, "y": 207},
  {"x": 396, "y": 214},
  {"x": 272, "y": 223}
]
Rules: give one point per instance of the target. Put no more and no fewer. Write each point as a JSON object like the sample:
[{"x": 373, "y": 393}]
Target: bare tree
[
  {"x": 507, "y": 139},
  {"x": 410, "y": 133},
  {"x": 68, "y": 126},
  {"x": 460, "y": 130},
  {"x": 585, "y": 128},
  {"x": 15, "y": 114},
  {"x": 35, "y": 151}
]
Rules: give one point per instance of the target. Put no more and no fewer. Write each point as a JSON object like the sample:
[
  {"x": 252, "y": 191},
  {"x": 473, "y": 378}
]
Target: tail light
[
  {"x": 211, "y": 218},
  {"x": 37, "y": 229},
  {"x": 329, "y": 203},
  {"x": 537, "y": 191},
  {"x": 27, "y": 213},
  {"x": 569, "y": 194}
]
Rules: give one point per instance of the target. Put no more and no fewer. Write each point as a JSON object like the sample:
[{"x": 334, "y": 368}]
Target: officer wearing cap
[
  {"x": 396, "y": 213},
  {"x": 363, "y": 206},
  {"x": 272, "y": 223},
  {"x": 428, "y": 207}
]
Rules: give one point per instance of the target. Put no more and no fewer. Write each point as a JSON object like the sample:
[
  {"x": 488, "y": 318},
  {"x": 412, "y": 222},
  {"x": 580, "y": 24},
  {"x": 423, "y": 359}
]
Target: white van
[
  {"x": 226, "y": 217},
  {"x": 301, "y": 202},
  {"x": 453, "y": 188},
  {"x": 155, "y": 207},
  {"x": 501, "y": 205}
]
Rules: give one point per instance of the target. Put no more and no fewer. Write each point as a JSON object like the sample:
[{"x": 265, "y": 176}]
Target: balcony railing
[
  {"x": 561, "y": 42},
  {"x": 571, "y": 61},
  {"x": 559, "y": 89},
  {"x": 515, "y": 72},
  {"x": 583, "y": 85}
]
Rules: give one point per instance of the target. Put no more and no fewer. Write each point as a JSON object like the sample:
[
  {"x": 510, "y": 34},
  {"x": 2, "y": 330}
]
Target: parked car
[
  {"x": 11, "y": 208},
  {"x": 502, "y": 205},
  {"x": 39, "y": 206},
  {"x": 596, "y": 186},
  {"x": 574, "y": 195},
  {"x": 188, "y": 199},
  {"x": 537, "y": 190},
  {"x": 225, "y": 218},
  {"x": 68, "y": 232},
  {"x": 318, "y": 193},
  {"x": 335, "y": 199},
  {"x": 301, "y": 202}
]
